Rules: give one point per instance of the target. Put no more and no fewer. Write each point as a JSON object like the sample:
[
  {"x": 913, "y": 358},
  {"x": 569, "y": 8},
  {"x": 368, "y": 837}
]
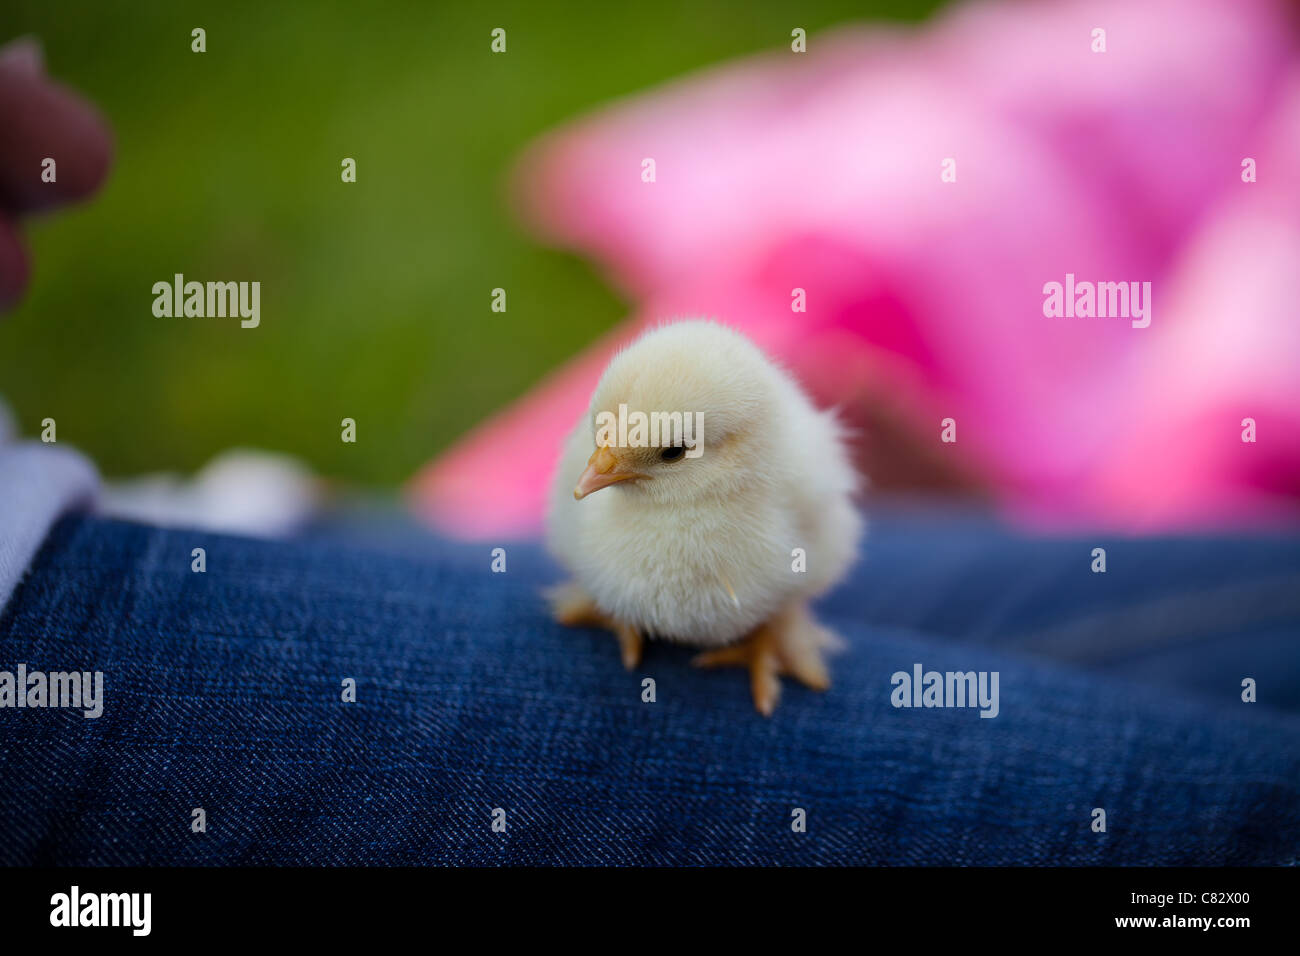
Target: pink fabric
[{"x": 822, "y": 171}]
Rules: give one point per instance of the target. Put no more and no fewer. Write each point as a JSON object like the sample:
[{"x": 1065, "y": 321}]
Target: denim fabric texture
[{"x": 223, "y": 691}]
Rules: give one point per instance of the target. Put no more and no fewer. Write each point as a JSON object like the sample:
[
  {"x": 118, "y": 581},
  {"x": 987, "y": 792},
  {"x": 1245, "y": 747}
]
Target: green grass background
[{"x": 375, "y": 295}]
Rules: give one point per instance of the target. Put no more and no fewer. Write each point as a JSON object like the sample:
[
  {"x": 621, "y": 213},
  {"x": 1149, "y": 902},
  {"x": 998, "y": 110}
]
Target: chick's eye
[{"x": 672, "y": 453}]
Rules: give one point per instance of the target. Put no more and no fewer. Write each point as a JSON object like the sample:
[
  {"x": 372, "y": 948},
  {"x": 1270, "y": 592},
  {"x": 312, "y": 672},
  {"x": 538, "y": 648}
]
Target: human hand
[{"x": 41, "y": 119}]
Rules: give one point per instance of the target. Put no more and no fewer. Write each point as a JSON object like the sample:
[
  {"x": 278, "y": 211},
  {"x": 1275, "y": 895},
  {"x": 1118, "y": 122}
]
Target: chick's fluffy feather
[{"x": 665, "y": 554}]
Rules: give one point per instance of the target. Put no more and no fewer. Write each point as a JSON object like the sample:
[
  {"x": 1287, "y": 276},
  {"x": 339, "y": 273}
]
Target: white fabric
[{"x": 38, "y": 483}]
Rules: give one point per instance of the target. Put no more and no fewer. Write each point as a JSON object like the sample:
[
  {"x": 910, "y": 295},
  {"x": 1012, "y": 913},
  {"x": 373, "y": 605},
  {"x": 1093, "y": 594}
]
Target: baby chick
[{"x": 694, "y": 538}]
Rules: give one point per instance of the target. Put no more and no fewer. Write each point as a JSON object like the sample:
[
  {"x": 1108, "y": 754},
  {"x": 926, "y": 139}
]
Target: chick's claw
[
  {"x": 801, "y": 643},
  {"x": 629, "y": 642},
  {"x": 758, "y": 654},
  {"x": 573, "y": 607},
  {"x": 791, "y": 643}
]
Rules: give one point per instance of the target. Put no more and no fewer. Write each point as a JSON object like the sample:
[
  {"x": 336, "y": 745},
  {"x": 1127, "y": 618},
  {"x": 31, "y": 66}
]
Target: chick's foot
[
  {"x": 574, "y": 607},
  {"x": 790, "y": 643}
]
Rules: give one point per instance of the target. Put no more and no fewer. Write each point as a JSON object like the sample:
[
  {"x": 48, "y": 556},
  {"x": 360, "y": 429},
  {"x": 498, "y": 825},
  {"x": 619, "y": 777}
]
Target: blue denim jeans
[{"x": 1119, "y": 691}]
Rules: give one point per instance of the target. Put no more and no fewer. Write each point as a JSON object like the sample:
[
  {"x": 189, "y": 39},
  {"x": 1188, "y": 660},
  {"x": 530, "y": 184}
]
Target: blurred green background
[{"x": 375, "y": 295}]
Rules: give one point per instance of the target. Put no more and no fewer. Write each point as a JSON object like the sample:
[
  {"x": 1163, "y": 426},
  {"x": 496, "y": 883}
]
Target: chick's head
[{"x": 684, "y": 412}]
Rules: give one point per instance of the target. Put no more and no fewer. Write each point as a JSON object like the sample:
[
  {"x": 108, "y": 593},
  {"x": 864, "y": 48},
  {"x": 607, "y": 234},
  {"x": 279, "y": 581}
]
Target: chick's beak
[{"x": 603, "y": 469}]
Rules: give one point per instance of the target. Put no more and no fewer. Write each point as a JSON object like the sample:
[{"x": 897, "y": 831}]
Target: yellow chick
[{"x": 725, "y": 505}]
